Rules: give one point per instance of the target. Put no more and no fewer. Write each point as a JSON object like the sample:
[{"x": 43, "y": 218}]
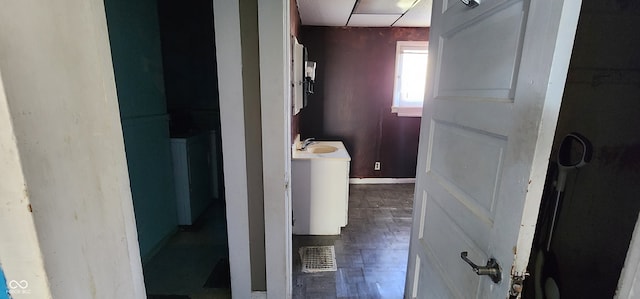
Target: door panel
[
  {"x": 469, "y": 161},
  {"x": 456, "y": 238},
  {"x": 465, "y": 155},
  {"x": 431, "y": 282},
  {"x": 495, "y": 80},
  {"x": 466, "y": 75}
]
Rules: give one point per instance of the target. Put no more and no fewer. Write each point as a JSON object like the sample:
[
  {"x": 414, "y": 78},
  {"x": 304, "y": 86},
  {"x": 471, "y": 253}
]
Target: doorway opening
[
  {"x": 165, "y": 69},
  {"x": 602, "y": 76},
  {"x": 597, "y": 209},
  {"x": 356, "y": 109}
]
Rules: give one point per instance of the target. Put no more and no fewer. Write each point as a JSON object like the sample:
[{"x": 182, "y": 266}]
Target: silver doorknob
[{"x": 492, "y": 269}]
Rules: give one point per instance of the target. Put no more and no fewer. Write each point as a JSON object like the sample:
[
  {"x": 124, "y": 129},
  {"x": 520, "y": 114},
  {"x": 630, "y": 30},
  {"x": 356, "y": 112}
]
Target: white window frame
[{"x": 398, "y": 107}]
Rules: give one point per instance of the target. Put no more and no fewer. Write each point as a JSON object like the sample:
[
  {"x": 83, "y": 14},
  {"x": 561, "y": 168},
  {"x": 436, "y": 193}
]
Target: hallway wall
[
  {"x": 134, "y": 34},
  {"x": 66, "y": 212}
]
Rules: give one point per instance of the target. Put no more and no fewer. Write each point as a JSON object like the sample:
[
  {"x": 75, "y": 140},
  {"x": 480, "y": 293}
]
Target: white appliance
[{"x": 191, "y": 175}]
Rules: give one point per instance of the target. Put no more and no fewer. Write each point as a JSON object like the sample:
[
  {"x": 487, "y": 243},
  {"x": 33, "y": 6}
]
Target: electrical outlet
[{"x": 376, "y": 166}]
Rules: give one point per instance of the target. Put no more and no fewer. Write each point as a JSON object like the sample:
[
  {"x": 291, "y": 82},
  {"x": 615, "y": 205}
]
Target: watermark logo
[{"x": 19, "y": 287}]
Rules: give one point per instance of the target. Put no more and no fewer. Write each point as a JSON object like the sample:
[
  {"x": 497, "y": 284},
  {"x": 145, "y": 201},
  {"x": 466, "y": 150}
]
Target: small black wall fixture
[{"x": 471, "y": 3}]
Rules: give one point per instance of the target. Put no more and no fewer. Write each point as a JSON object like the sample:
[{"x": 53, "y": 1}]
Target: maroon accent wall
[
  {"x": 295, "y": 31},
  {"x": 353, "y": 97}
]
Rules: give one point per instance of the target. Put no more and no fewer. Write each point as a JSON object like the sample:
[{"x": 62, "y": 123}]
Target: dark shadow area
[
  {"x": 219, "y": 277},
  {"x": 164, "y": 60},
  {"x": 598, "y": 208}
]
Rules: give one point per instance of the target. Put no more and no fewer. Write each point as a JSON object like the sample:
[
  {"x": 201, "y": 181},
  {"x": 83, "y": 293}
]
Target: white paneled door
[{"x": 495, "y": 83}]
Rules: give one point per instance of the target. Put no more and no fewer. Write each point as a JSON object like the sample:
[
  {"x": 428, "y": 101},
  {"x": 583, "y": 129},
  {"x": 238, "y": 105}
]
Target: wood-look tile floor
[{"x": 371, "y": 252}]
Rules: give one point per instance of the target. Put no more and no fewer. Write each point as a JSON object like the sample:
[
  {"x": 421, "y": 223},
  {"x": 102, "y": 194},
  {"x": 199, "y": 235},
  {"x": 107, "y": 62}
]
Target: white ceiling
[{"x": 365, "y": 13}]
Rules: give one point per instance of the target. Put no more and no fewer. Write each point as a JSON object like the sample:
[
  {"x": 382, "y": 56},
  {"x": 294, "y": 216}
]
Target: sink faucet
[{"x": 306, "y": 143}]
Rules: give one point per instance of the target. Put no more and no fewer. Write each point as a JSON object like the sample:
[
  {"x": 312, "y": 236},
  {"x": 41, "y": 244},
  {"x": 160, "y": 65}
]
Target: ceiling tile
[
  {"x": 325, "y": 12},
  {"x": 383, "y": 6},
  {"x": 369, "y": 20},
  {"x": 418, "y": 16}
]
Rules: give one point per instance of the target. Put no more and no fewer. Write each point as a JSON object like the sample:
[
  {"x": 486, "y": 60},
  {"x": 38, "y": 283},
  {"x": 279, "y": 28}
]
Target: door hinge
[{"x": 517, "y": 283}]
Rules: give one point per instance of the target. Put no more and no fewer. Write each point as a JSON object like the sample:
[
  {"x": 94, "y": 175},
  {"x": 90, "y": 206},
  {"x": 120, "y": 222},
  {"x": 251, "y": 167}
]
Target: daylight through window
[{"x": 411, "y": 75}]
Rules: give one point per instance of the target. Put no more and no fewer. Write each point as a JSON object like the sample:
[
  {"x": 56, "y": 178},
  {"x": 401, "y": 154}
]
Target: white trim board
[
  {"x": 629, "y": 281},
  {"x": 232, "y": 122},
  {"x": 358, "y": 181},
  {"x": 275, "y": 102},
  {"x": 258, "y": 295}
]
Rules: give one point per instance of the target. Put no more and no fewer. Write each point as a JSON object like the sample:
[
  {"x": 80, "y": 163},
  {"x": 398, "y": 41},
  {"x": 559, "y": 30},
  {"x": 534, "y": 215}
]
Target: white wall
[
  {"x": 66, "y": 137},
  {"x": 19, "y": 248}
]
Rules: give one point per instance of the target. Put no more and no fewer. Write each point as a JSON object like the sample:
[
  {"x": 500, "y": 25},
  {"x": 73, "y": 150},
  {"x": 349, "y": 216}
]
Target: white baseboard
[
  {"x": 258, "y": 295},
  {"x": 382, "y": 180}
]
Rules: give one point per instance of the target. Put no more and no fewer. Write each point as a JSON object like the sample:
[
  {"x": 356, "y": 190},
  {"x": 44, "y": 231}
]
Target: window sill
[{"x": 407, "y": 111}]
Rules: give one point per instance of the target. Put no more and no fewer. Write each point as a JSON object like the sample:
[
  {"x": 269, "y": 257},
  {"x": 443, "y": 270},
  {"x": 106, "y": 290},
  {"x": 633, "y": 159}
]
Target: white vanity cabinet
[{"x": 320, "y": 190}]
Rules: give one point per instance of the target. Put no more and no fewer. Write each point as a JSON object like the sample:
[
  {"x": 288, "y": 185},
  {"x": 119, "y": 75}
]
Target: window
[{"x": 411, "y": 77}]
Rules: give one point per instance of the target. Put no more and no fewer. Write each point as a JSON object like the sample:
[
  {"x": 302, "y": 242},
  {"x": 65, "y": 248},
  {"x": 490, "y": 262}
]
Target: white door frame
[
  {"x": 229, "y": 59},
  {"x": 629, "y": 281},
  {"x": 275, "y": 94},
  {"x": 273, "y": 24}
]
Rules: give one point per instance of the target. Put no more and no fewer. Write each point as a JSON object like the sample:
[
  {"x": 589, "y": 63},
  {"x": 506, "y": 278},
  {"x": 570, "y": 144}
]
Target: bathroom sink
[
  {"x": 320, "y": 188},
  {"x": 321, "y": 149}
]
